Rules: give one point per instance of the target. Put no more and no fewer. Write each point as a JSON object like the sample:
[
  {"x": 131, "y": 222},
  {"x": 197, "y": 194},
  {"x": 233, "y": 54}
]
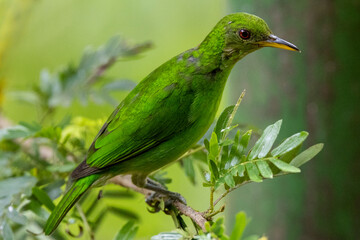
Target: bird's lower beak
[{"x": 277, "y": 42}]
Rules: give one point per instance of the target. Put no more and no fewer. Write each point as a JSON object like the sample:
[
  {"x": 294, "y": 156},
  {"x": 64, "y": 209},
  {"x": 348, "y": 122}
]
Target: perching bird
[{"x": 168, "y": 111}]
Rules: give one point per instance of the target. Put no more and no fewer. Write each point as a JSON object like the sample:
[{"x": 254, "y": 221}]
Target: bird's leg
[
  {"x": 160, "y": 191},
  {"x": 154, "y": 183},
  {"x": 158, "y": 188}
]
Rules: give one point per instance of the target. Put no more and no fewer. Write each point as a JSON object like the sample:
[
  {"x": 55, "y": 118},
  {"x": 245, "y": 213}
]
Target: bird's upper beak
[{"x": 277, "y": 42}]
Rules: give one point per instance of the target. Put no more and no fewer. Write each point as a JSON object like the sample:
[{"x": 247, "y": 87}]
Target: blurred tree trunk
[{"x": 318, "y": 91}]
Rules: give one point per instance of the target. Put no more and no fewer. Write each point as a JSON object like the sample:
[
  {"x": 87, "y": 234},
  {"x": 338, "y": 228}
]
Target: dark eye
[{"x": 244, "y": 34}]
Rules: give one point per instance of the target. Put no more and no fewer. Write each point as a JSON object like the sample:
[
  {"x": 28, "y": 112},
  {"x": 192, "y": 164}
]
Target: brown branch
[{"x": 197, "y": 217}]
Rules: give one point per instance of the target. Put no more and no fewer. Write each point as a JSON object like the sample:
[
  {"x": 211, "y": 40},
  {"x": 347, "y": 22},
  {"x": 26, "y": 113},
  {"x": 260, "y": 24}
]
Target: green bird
[{"x": 167, "y": 112}]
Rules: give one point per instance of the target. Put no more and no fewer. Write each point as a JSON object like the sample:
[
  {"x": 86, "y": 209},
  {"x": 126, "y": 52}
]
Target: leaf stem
[
  {"x": 232, "y": 115},
  {"x": 241, "y": 184},
  {"x": 192, "y": 151}
]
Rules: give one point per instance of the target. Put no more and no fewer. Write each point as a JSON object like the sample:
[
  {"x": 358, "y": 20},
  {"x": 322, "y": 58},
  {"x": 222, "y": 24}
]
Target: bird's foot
[{"x": 154, "y": 200}]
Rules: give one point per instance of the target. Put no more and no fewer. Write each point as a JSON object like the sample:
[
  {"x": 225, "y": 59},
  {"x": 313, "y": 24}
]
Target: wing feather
[{"x": 146, "y": 118}]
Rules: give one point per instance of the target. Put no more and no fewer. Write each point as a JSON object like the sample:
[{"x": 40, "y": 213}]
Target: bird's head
[{"x": 241, "y": 33}]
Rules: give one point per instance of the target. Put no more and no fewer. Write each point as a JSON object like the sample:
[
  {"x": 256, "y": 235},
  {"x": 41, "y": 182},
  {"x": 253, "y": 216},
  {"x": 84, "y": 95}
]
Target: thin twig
[
  {"x": 212, "y": 190},
  {"x": 86, "y": 223}
]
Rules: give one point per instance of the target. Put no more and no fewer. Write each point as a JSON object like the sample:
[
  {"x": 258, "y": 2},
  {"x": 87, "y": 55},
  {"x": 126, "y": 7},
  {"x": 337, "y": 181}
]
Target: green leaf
[
  {"x": 229, "y": 180},
  {"x": 265, "y": 142},
  {"x": 12, "y": 187},
  {"x": 234, "y": 151},
  {"x": 288, "y": 156},
  {"x": 244, "y": 142},
  {"x": 51, "y": 132},
  {"x": 13, "y": 132},
  {"x": 207, "y": 144},
  {"x": 7, "y": 233},
  {"x": 122, "y": 212},
  {"x": 253, "y": 172},
  {"x": 219, "y": 182},
  {"x": 214, "y": 146},
  {"x": 64, "y": 168},
  {"x": 213, "y": 169},
  {"x": 207, "y": 226},
  {"x": 307, "y": 155},
  {"x": 222, "y": 121},
  {"x": 36, "y": 208},
  {"x": 118, "y": 194},
  {"x": 239, "y": 226},
  {"x": 127, "y": 232},
  {"x": 53, "y": 190},
  {"x": 226, "y": 142},
  {"x": 264, "y": 169},
  {"x": 189, "y": 169},
  {"x": 283, "y": 166},
  {"x": 15, "y": 216},
  {"x": 218, "y": 227},
  {"x": 42, "y": 196},
  {"x": 224, "y": 157},
  {"x": 240, "y": 170},
  {"x": 160, "y": 177},
  {"x": 289, "y": 144}
]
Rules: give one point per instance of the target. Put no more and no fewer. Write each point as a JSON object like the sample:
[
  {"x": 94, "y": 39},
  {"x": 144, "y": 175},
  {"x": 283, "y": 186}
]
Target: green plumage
[
  {"x": 72, "y": 195},
  {"x": 168, "y": 111}
]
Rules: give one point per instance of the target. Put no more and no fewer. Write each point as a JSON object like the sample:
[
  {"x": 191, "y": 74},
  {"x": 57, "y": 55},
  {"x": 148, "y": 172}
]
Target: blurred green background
[{"x": 317, "y": 91}]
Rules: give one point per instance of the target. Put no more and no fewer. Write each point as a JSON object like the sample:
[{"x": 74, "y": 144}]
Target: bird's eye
[{"x": 244, "y": 34}]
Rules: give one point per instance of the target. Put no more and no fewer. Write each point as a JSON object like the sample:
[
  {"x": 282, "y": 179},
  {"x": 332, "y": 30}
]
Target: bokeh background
[{"x": 317, "y": 90}]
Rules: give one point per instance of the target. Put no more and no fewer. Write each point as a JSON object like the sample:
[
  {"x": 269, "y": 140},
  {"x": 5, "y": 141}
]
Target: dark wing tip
[{"x": 83, "y": 170}]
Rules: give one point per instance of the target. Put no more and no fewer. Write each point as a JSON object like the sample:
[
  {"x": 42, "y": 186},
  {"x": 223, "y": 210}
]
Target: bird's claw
[{"x": 154, "y": 200}]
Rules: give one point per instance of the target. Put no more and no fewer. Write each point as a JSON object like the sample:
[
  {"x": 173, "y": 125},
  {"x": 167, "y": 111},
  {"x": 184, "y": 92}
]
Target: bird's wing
[{"x": 150, "y": 115}]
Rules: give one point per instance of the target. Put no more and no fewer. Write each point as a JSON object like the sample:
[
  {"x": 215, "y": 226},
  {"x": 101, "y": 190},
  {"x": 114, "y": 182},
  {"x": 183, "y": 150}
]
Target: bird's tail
[{"x": 72, "y": 195}]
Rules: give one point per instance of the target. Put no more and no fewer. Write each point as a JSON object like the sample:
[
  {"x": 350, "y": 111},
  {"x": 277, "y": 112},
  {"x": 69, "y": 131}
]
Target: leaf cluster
[
  {"x": 232, "y": 163},
  {"x": 61, "y": 88}
]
